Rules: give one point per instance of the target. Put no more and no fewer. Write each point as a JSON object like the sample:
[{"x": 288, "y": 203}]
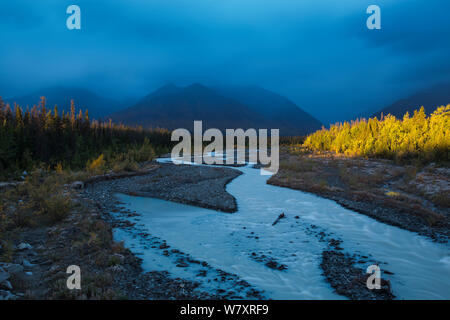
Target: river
[{"x": 420, "y": 268}]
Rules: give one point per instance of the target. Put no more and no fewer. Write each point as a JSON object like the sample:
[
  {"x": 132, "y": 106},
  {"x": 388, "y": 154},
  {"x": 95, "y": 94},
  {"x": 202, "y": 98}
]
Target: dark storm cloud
[{"x": 316, "y": 52}]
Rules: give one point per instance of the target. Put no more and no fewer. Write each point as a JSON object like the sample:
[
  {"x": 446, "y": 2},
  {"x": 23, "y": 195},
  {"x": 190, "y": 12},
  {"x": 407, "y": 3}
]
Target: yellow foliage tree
[{"x": 419, "y": 136}]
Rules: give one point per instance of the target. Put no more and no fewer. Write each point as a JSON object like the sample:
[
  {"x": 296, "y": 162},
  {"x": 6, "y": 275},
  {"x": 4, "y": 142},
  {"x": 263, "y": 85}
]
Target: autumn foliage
[{"x": 422, "y": 137}]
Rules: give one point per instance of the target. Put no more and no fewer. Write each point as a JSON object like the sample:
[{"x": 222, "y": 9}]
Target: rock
[
  {"x": 27, "y": 264},
  {"x": 275, "y": 265},
  {"x": 24, "y": 246},
  {"x": 12, "y": 268},
  {"x": 4, "y": 275},
  {"x": 182, "y": 265},
  {"x": 120, "y": 257},
  {"x": 6, "y": 285},
  {"x": 77, "y": 185},
  {"x": 6, "y": 295},
  {"x": 117, "y": 269}
]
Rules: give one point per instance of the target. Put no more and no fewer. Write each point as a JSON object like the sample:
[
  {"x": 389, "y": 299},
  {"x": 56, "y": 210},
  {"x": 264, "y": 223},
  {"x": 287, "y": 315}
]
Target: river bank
[{"x": 412, "y": 198}]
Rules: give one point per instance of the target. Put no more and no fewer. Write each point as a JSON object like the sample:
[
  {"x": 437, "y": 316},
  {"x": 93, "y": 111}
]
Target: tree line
[
  {"x": 41, "y": 136},
  {"x": 422, "y": 137}
]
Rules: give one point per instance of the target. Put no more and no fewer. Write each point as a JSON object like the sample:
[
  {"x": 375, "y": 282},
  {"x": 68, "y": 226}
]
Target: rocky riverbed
[{"x": 195, "y": 185}]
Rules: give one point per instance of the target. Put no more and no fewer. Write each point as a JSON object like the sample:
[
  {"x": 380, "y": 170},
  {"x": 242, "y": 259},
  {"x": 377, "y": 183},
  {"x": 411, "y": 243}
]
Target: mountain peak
[{"x": 174, "y": 107}]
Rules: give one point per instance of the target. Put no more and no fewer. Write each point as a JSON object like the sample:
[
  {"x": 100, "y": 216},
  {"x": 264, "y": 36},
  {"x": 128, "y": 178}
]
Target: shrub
[
  {"x": 57, "y": 207},
  {"x": 59, "y": 168},
  {"x": 96, "y": 166}
]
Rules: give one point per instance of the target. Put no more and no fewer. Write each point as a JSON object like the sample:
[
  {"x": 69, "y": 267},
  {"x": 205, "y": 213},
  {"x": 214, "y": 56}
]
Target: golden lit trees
[{"x": 419, "y": 136}]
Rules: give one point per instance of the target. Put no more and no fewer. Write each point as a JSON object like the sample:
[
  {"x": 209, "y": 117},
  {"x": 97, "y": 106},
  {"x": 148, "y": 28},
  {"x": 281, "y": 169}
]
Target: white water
[{"x": 421, "y": 267}]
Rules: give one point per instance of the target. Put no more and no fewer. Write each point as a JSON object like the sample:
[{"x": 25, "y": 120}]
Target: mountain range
[{"x": 243, "y": 107}]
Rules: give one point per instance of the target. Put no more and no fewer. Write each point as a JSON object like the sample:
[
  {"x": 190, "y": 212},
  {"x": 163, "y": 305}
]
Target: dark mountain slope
[
  {"x": 430, "y": 98},
  {"x": 174, "y": 107},
  {"x": 278, "y": 110},
  {"x": 177, "y": 107}
]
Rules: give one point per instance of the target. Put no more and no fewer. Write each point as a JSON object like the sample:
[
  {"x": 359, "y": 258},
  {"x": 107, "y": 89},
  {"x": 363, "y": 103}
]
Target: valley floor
[{"x": 415, "y": 200}]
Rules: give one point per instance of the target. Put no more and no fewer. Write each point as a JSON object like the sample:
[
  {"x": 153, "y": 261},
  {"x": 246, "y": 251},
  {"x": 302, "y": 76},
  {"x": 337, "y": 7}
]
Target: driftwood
[
  {"x": 94, "y": 179},
  {"x": 281, "y": 216},
  {"x": 112, "y": 176},
  {"x": 8, "y": 185}
]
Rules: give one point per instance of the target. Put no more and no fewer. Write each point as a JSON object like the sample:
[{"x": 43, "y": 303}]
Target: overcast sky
[{"x": 318, "y": 53}]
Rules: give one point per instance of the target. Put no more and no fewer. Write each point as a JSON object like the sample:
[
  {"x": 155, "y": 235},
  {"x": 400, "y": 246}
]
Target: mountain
[
  {"x": 430, "y": 98},
  {"x": 84, "y": 99},
  {"x": 177, "y": 107},
  {"x": 278, "y": 110},
  {"x": 174, "y": 107}
]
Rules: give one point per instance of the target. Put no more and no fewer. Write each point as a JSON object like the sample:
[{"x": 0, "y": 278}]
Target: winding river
[{"x": 420, "y": 268}]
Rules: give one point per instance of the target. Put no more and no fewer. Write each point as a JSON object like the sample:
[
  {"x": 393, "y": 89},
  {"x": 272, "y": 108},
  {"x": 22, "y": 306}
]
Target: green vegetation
[
  {"x": 418, "y": 137},
  {"x": 45, "y": 138}
]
